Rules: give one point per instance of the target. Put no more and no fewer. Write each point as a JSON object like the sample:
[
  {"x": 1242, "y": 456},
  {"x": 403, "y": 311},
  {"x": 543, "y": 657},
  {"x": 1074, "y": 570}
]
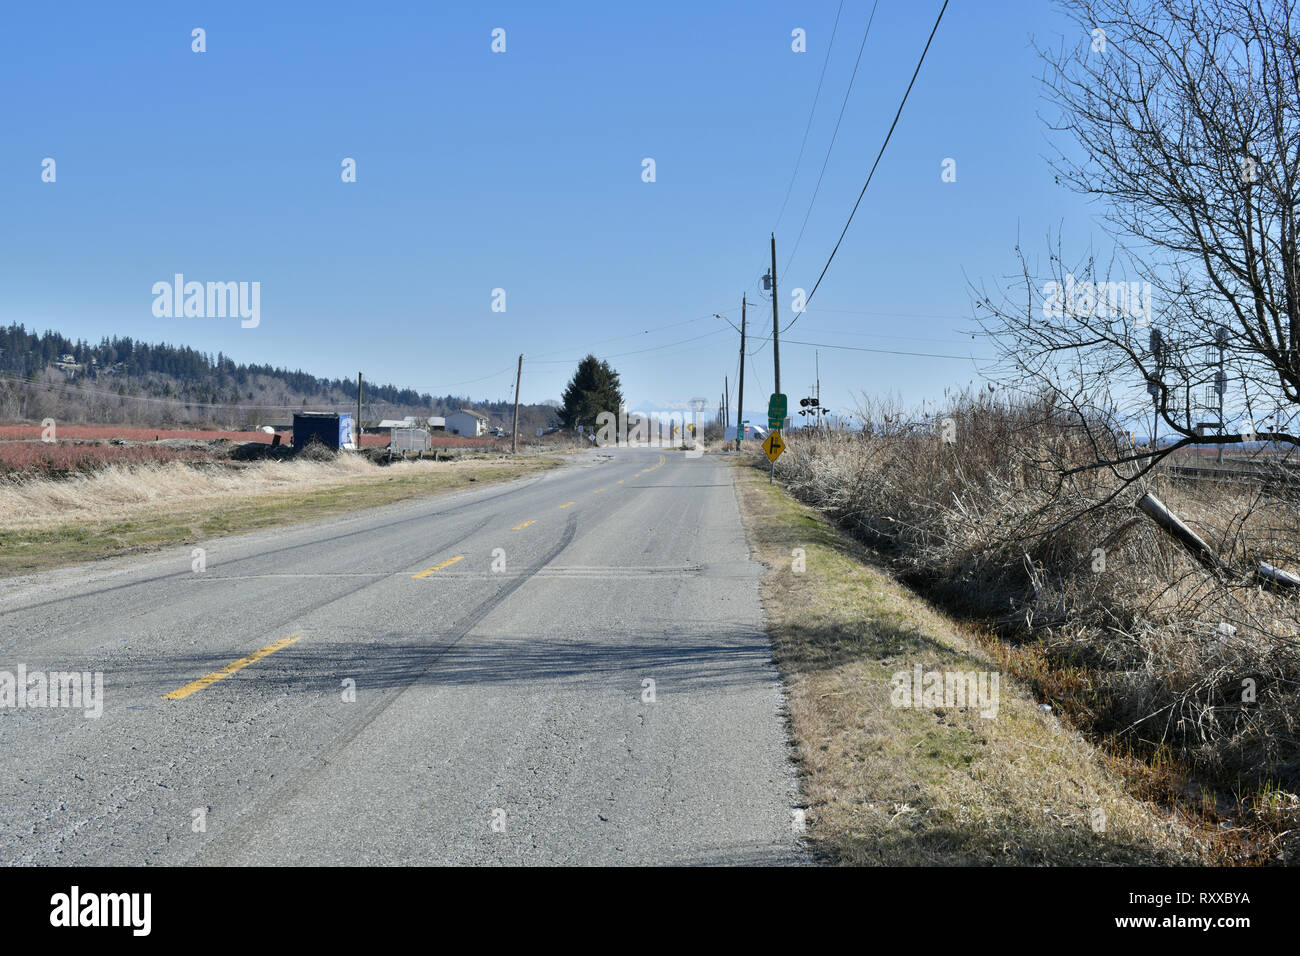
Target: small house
[{"x": 468, "y": 423}]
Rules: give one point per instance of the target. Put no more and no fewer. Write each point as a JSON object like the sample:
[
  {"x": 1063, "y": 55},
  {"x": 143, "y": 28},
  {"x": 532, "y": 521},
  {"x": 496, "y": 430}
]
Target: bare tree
[{"x": 1182, "y": 119}]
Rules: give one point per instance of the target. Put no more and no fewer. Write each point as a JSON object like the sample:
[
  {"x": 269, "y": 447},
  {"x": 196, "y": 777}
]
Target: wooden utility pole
[
  {"x": 740, "y": 395},
  {"x": 726, "y": 395},
  {"x": 776, "y": 345},
  {"x": 357, "y": 430},
  {"x": 514, "y": 434}
]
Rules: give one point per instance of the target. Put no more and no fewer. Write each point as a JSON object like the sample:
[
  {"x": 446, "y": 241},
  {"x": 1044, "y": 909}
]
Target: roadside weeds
[
  {"x": 888, "y": 785},
  {"x": 46, "y": 524}
]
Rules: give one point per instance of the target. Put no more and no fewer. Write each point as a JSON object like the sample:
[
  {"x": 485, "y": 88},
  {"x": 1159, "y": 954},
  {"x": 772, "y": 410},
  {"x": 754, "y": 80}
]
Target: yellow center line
[
  {"x": 662, "y": 461},
  {"x": 437, "y": 567},
  {"x": 620, "y": 481},
  {"x": 563, "y": 506},
  {"x": 598, "y": 491},
  {"x": 519, "y": 526},
  {"x": 209, "y": 679}
]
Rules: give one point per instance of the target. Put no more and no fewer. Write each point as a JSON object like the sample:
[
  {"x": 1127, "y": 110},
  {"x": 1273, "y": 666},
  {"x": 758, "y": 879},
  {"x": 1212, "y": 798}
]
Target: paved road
[{"x": 500, "y": 716}]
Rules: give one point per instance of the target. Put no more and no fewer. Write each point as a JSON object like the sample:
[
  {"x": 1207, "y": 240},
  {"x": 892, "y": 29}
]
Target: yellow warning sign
[{"x": 773, "y": 446}]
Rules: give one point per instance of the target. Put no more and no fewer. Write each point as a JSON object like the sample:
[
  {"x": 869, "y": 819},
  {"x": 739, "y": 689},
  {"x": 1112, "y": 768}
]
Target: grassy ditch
[{"x": 901, "y": 785}]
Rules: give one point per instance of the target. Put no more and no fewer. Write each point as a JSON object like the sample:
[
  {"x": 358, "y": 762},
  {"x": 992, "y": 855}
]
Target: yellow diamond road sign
[{"x": 773, "y": 446}]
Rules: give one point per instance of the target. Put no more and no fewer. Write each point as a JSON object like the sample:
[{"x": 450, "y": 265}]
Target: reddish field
[
  {"x": 103, "y": 432},
  {"x": 12, "y": 432},
  {"x": 65, "y": 458},
  {"x": 84, "y": 448}
]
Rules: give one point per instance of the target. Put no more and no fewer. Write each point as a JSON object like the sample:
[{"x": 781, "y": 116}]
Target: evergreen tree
[{"x": 594, "y": 388}]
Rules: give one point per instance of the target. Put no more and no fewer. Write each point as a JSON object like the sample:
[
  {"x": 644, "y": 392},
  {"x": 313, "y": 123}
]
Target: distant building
[
  {"x": 468, "y": 423},
  {"x": 437, "y": 423},
  {"x": 752, "y": 431}
]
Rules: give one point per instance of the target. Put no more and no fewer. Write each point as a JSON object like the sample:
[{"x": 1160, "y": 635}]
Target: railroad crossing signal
[
  {"x": 773, "y": 446},
  {"x": 812, "y": 406}
]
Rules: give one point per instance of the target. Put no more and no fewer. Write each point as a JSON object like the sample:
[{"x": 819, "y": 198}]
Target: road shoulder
[
  {"x": 885, "y": 783},
  {"x": 61, "y": 541}
]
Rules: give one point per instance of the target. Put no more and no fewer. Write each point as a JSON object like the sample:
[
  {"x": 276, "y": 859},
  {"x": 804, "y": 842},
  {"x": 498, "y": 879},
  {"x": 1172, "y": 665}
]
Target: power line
[
  {"x": 471, "y": 381},
  {"x": 881, "y": 335},
  {"x": 872, "y": 173},
  {"x": 753, "y": 370},
  {"x": 834, "y": 134},
  {"x": 811, "y": 113},
  {"x": 539, "y": 360},
  {"x": 653, "y": 348},
  {"x": 863, "y": 348},
  {"x": 631, "y": 335},
  {"x": 893, "y": 315}
]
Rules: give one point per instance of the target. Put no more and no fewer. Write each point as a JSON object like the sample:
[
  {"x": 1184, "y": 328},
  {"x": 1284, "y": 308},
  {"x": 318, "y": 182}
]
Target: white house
[
  {"x": 468, "y": 423},
  {"x": 757, "y": 432}
]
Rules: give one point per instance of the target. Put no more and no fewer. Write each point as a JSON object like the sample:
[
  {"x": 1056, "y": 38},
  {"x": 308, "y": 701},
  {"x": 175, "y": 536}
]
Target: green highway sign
[{"x": 776, "y": 409}]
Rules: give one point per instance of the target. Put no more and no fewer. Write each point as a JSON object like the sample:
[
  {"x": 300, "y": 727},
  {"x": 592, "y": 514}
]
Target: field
[
  {"x": 81, "y": 449},
  {"x": 35, "y": 458},
  {"x": 127, "y": 433},
  {"x": 120, "y": 508}
]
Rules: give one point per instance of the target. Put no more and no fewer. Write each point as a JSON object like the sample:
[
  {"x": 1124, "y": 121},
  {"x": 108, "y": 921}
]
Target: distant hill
[{"x": 121, "y": 380}]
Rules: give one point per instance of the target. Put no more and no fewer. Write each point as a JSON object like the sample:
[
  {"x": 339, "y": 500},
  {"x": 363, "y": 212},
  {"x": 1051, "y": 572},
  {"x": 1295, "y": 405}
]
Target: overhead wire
[
  {"x": 874, "y": 165},
  {"x": 834, "y": 134},
  {"x": 811, "y": 113}
]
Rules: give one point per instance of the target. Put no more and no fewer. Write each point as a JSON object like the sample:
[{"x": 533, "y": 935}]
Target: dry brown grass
[
  {"x": 47, "y": 523},
  {"x": 1133, "y": 651},
  {"x": 898, "y": 786},
  {"x": 120, "y": 492}
]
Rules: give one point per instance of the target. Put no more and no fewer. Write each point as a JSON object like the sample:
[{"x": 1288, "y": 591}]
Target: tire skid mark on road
[
  {"x": 346, "y": 592},
  {"x": 438, "y": 567},
  {"x": 207, "y": 680},
  {"x": 321, "y": 764}
]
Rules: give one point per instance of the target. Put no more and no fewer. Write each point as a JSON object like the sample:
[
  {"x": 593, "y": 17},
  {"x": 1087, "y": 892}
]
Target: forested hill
[{"x": 122, "y": 379}]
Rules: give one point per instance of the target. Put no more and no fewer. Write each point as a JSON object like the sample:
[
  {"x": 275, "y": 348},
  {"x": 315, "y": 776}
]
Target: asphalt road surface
[{"x": 568, "y": 669}]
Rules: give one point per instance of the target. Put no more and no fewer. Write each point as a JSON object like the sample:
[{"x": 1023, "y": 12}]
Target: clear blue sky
[{"x": 523, "y": 171}]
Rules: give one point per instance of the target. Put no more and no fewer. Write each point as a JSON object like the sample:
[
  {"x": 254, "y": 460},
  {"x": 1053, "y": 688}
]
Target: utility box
[{"x": 331, "y": 430}]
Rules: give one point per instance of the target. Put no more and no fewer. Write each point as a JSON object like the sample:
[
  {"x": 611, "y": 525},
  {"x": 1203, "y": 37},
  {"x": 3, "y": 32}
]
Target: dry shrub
[
  {"x": 1136, "y": 640},
  {"x": 315, "y": 450}
]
